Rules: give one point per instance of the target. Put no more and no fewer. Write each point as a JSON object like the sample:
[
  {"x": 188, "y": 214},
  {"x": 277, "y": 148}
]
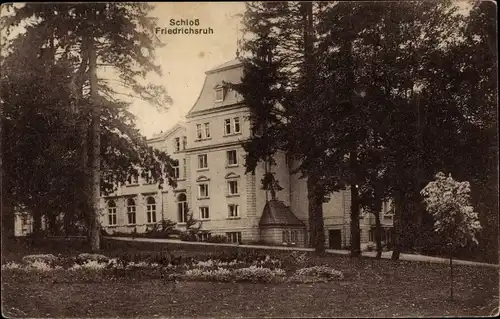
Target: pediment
[
  {"x": 232, "y": 175},
  {"x": 202, "y": 179}
]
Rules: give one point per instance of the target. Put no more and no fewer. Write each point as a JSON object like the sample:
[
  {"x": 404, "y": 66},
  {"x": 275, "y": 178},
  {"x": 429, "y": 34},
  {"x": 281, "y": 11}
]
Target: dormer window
[{"x": 219, "y": 93}]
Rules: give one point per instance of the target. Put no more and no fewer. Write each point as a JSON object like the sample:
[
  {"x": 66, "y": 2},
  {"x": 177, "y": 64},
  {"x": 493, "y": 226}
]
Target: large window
[
  {"x": 219, "y": 94},
  {"x": 177, "y": 144},
  {"x": 133, "y": 179},
  {"x": 232, "y": 187},
  {"x": 371, "y": 235},
  {"x": 285, "y": 236},
  {"x": 204, "y": 213},
  {"x": 233, "y": 210},
  {"x": 151, "y": 210},
  {"x": 176, "y": 171},
  {"x": 232, "y": 158},
  {"x": 202, "y": 161},
  {"x": 236, "y": 123},
  {"x": 148, "y": 177},
  {"x": 234, "y": 237},
  {"x": 203, "y": 236},
  {"x": 290, "y": 236},
  {"x": 131, "y": 211},
  {"x": 232, "y": 126},
  {"x": 184, "y": 142},
  {"x": 111, "y": 213},
  {"x": 203, "y": 190},
  {"x": 182, "y": 208},
  {"x": 203, "y": 131},
  {"x": 207, "y": 130},
  {"x": 227, "y": 126},
  {"x": 199, "y": 132},
  {"x": 184, "y": 168}
]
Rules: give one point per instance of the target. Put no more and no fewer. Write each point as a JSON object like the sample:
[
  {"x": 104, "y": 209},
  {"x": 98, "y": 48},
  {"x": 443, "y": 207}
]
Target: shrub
[
  {"x": 295, "y": 260},
  {"x": 217, "y": 239},
  {"x": 219, "y": 274},
  {"x": 371, "y": 246},
  {"x": 267, "y": 262},
  {"x": 90, "y": 265},
  {"x": 320, "y": 271},
  {"x": 211, "y": 263},
  {"x": 88, "y": 257},
  {"x": 11, "y": 265},
  {"x": 188, "y": 236},
  {"x": 258, "y": 274},
  {"x": 46, "y": 258},
  {"x": 40, "y": 266},
  {"x": 162, "y": 229}
]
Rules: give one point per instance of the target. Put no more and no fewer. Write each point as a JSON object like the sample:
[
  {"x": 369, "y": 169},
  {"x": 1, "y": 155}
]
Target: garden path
[{"x": 372, "y": 254}]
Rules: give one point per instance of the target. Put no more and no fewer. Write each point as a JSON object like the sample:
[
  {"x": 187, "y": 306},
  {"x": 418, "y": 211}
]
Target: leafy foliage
[
  {"x": 449, "y": 203},
  {"x": 50, "y": 63},
  {"x": 386, "y": 98}
]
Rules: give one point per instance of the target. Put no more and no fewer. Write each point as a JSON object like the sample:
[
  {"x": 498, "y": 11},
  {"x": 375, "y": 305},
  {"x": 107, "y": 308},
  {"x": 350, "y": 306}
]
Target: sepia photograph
[{"x": 288, "y": 159}]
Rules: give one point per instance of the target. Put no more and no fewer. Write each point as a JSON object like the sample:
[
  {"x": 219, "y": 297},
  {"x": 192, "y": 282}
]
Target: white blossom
[{"x": 449, "y": 202}]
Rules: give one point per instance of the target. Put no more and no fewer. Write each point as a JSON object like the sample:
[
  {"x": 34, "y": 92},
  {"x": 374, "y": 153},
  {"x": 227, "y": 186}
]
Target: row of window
[
  {"x": 231, "y": 159},
  {"x": 231, "y": 126},
  {"x": 386, "y": 235},
  {"x": 132, "y": 211},
  {"x": 232, "y": 237},
  {"x": 290, "y": 236},
  {"x": 151, "y": 211},
  {"x": 233, "y": 211},
  {"x": 232, "y": 189}
]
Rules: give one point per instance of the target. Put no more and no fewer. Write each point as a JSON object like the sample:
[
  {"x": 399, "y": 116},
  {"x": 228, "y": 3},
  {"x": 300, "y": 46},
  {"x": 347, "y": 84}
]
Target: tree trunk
[
  {"x": 67, "y": 224},
  {"x": 396, "y": 240},
  {"x": 377, "y": 208},
  {"x": 315, "y": 195},
  {"x": 7, "y": 207},
  {"x": 378, "y": 234},
  {"x": 316, "y": 221},
  {"x": 451, "y": 274},
  {"x": 77, "y": 83},
  {"x": 7, "y": 210},
  {"x": 96, "y": 151},
  {"x": 52, "y": 224},
  {"x": 355, "y": 231},
  {"x": 37, "y": 222}
]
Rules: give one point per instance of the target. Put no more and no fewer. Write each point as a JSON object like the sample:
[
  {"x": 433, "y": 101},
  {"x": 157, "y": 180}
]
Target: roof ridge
[{"x": 236, "y": 62}]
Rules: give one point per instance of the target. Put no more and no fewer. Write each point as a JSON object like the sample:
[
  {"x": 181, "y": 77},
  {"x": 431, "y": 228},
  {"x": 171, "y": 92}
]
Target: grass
[{"x": 371, "y": 288}]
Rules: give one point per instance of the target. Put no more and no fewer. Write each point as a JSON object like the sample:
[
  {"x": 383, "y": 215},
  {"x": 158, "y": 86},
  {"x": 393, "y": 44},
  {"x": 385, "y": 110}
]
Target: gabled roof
[
  {"x": 225, "y": 66},
  {"x": 165, "y": 135},
  {"x": 230, "y": 72},
  {"x": 276, "y": 213}
]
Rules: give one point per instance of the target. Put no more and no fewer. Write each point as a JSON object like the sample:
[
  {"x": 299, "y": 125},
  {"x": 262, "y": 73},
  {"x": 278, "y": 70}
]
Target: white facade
[{"x": 213, "y": 182}]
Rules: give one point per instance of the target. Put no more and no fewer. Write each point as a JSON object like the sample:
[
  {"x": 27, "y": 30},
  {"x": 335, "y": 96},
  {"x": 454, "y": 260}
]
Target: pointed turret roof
[{"x": 276, "y": 213}]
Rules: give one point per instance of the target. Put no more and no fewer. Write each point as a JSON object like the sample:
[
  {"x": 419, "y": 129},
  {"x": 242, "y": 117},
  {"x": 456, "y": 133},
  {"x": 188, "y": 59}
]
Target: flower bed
[{"x": 248, "y": 268}]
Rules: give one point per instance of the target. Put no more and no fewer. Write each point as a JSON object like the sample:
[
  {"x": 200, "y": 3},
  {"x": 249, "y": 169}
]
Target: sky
[{"x": 185, "y": 58}]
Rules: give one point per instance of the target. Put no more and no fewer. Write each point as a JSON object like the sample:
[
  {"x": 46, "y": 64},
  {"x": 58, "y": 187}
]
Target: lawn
[{"x": 370, "y": 288}]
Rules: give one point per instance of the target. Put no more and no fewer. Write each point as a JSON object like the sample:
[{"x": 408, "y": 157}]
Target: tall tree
[
  {"x": 83, "y": 37},
  {"x": 279, "y": 87}
]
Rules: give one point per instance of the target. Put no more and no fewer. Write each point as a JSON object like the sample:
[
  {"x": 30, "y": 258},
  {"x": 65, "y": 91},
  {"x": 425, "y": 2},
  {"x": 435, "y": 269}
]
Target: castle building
[{"x": 213, "y": 186}]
